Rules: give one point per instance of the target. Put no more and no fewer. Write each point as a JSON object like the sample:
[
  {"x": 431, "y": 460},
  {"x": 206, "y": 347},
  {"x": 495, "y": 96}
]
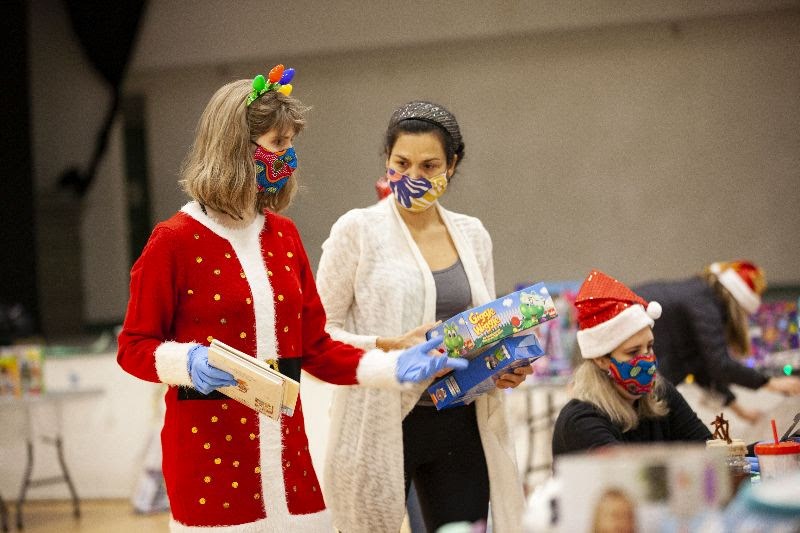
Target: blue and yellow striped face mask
[{"x": 416, "y": 194}]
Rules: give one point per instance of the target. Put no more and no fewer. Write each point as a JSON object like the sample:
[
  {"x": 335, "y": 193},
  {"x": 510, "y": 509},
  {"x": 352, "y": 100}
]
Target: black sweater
[
  {"x": 690, "y": 337},
  {"x": 582, "y": 426}
]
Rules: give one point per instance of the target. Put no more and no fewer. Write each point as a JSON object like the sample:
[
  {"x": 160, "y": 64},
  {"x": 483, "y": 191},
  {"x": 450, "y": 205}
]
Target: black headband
[{"x": 428, "y": 112}]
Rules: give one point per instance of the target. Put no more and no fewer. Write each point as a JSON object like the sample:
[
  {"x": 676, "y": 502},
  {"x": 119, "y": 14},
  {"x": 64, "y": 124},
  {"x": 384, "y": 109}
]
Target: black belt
[{"x": 289, "y": 367}]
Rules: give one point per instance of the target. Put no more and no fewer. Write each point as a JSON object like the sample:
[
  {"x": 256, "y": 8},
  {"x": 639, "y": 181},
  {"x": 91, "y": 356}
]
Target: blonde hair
[
  {"x": 592, "y": 384},
  {"x": 219, "y": 171},
  {"x": 613, "y": 493},
  {"x": 737, "y": 325}
]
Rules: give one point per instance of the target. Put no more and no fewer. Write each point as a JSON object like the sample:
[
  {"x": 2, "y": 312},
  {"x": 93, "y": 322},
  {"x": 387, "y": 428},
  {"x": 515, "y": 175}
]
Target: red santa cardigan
[{"x": 251, "y": 288}]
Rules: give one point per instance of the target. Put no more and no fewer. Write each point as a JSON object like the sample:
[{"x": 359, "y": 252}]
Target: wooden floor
[{"x": 97, "y": 516}]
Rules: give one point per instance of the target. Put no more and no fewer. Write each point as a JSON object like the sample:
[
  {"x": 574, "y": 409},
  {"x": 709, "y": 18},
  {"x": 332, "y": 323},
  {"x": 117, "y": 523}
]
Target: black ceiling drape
[{"x": 107, "y": 32}]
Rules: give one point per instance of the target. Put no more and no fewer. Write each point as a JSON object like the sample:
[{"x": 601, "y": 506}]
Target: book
[{"x": 258, "y": 385}]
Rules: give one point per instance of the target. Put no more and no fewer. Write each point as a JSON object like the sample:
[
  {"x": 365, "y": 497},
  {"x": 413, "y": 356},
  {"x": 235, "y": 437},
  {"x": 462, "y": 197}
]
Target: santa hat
[
  {"x": 609, "y": 313},
  {"x": 743, "y": 279}
]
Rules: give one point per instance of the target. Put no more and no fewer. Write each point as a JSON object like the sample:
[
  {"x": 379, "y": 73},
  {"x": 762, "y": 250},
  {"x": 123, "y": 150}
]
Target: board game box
[
  {"x": 468, "y": 333},
  {"x": 463, "y": 386}
]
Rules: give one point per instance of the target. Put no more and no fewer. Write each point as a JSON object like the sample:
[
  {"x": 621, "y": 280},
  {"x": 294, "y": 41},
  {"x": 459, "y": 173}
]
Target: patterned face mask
[
  {"x": 416, "y": 194},
  {"x": 273, "y": 168},
  {"x": 635, "y": 376}
]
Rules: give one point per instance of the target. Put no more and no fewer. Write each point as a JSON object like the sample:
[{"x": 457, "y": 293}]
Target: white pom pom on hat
[
  {"x": 654, "y": 310},
  {"x": 609, "y": 313}
]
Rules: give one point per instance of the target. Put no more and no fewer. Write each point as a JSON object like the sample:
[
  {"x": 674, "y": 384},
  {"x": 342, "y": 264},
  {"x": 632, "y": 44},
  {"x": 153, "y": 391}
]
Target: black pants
[{"x": 444, "y": 458}]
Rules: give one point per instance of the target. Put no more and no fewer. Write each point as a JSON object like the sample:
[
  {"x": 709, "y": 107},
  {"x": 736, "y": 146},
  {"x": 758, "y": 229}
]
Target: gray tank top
[{"x": 453, "y": 295}]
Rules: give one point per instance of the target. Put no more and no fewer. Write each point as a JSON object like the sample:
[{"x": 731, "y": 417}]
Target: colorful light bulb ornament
[{"x": 277, "y": 80}]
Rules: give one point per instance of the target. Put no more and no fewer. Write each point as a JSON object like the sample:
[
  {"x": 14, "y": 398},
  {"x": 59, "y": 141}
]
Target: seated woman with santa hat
[{"x": 617, "y": 395}]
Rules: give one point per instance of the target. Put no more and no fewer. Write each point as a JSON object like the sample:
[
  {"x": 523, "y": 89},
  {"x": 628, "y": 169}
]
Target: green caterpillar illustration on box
[{"x": 453, "y": 341}]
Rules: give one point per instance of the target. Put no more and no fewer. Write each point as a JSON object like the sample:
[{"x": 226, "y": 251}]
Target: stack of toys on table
[
  {"x": 558, "y": 337},
  {"x": 21, "y": 370},
  {"x": 496, "y": 338},
  {"x": 775, "y": 342}
]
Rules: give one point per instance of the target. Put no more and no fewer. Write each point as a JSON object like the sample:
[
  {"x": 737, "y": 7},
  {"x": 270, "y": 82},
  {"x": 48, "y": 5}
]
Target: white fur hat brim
[{"x": 603, "y": 338}]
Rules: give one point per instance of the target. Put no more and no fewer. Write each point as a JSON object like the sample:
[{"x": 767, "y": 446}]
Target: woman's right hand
[
  {"x": 789, "y": 385},
  {"x": 406, "y": 340}
]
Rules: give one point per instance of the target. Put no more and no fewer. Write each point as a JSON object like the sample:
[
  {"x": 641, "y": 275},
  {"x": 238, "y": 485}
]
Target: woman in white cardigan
[{"x": 386, "y": 274}]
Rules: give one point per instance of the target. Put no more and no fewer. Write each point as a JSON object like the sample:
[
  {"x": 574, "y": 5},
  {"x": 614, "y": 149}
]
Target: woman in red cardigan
[{"x": 227, "y": 266}]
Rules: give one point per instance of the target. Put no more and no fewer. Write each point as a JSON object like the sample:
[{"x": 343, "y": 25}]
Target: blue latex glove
[
  {"x": 205, "y": 377},
  {"x": 415, "y": 365},
  {"x": 754, "y": 467}
]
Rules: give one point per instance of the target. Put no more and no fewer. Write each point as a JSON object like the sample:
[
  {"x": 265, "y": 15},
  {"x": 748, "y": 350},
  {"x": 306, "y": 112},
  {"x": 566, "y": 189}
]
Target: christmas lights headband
[{"x": 277, "y": 80}]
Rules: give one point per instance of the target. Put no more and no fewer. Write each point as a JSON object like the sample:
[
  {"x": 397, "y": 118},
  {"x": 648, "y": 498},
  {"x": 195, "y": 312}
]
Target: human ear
[
  {"x": 602, "y": 362},
  {"x": 452, "y": 168}
]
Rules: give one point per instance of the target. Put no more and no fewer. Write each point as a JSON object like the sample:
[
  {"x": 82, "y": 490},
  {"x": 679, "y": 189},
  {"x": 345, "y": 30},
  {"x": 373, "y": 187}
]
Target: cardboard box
[
  {"x": 496, "y": 337},
  {"x": 463, "y": 386},
  {"x": 649, "y": 487},
  {"x": 21, "y": 370},
  {"x": 258, "y": 386},
  {"x": 469, "y": 332}
]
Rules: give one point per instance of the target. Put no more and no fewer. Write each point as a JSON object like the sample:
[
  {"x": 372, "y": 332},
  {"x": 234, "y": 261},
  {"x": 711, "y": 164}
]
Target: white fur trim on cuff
[
  {"x": 379, "y": 369},
  {"x": 172, "y": 363},
  {"x": 605, "y": 337},
  {"x": 740, "y": 290}
]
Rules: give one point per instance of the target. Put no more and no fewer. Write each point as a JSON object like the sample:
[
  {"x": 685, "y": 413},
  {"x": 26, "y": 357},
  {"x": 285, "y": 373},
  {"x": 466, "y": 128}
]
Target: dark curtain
[
  {"x": 18, "y": 288},
  {"x": 107, "y": 33}
]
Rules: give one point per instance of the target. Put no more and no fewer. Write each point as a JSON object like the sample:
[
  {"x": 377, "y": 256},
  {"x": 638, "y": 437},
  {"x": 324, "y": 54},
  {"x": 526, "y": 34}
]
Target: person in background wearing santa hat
[
  {"x": 227, "y": 266},
  {"x": 618, "y": 397},
  {"x": 704, "y": 322}
]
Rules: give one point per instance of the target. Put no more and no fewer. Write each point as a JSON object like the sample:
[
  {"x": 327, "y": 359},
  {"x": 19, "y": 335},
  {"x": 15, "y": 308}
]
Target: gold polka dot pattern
[{"x": 225, "y": 297}]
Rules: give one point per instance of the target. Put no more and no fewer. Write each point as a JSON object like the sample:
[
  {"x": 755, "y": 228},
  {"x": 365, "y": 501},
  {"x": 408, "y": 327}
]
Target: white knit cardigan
[{"x": 373, "y": 282}]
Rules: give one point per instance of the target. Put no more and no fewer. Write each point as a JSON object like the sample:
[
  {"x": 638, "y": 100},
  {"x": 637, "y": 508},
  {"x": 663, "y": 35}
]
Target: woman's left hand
[{"x": 510, "y": 380}]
